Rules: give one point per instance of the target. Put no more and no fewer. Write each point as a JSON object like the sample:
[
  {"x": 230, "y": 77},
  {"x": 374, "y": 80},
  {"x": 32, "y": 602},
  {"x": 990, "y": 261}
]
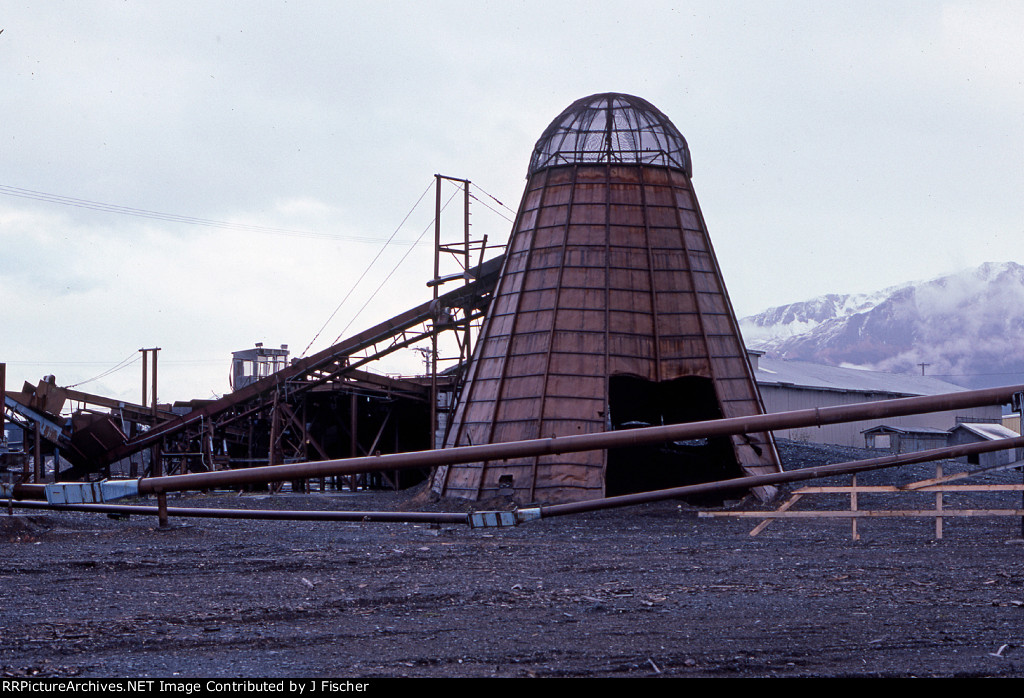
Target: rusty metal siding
[{"x": 610, "y": 271}]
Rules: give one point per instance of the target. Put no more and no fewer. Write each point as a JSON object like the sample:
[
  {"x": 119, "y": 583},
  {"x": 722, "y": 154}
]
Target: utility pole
[
  {"x": 1017, "y": 405},
  {"x": 156, "y": 460},
  {"x": 437, "y": 311},
  {"x": 3, "y": 402},
  {"x": 442, "y": 317},
  {"x": 922, "y": 367}
]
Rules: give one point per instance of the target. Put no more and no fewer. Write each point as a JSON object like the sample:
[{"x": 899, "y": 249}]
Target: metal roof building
[
  {"x": 795, "y": 385},
  {"x": 967, "y": 433},
  {"x": 905, "y": 439},
  {"x": 610, "y": 313},
  {"x": 783, "y": 372}
]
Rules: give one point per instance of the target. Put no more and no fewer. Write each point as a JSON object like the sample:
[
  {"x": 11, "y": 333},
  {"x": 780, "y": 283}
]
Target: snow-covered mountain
[{"x": 968, "y": 327}]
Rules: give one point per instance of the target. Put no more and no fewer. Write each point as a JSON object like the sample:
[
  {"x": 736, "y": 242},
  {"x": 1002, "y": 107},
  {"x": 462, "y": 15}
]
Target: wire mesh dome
[{"x": 612, "y": 128}]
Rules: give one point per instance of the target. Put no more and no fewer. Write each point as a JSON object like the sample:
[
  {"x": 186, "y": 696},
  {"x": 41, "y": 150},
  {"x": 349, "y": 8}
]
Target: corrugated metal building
[
  {"x": 969, "y": 433},
  {"x": 905, "y": 439},
  {"x": 797, "y": 385}
]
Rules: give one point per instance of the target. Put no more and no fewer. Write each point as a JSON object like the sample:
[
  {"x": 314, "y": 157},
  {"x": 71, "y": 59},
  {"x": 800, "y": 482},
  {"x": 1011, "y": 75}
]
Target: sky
[{"x": 200, "y": 176}]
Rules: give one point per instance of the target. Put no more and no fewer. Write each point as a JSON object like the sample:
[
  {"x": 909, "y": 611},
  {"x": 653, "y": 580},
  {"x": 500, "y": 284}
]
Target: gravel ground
[{"x": 645, "y": 591}]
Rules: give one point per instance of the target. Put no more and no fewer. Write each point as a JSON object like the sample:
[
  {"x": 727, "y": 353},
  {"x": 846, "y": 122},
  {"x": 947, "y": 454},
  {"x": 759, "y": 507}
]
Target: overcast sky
[{"x": 837, "y": 147}]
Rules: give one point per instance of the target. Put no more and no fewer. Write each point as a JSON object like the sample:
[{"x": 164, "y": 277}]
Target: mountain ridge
[{"x": 966, "y": 328}]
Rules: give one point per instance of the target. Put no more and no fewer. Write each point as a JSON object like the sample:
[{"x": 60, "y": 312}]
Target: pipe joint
[
  {"x": 90, "y": 492},
  {"x": 525, "y": 515},
  {"x": 492, "y": 519}
]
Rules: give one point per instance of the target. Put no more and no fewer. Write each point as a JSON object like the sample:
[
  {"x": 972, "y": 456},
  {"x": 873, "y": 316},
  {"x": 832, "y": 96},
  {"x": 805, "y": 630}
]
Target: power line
[
  {"x": 125, "y": 363},
  {"x": 163, "y": 362},
  {"x": 89, "y": 204},
  {"x": 487, "y": 206},
  {"x": 176, "y": 218},
  {"x": 391, "y": 273},
  {"x": 510, "y": 210},
  {"x": 367, "y": 269}
]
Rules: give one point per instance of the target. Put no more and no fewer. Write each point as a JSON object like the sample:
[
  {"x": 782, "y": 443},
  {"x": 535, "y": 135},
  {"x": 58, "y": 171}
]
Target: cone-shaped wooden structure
[{"x": 610, "y": 313}]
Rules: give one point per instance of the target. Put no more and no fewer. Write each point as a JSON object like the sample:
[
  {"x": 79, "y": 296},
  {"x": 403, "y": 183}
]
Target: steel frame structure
[{"x": 197, "y": 441}]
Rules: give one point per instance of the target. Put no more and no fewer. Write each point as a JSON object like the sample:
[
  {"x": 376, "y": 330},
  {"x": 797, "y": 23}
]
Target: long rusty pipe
[
  {"x": 744, "y": 483},
  {"x": 548, "y": 511},
  {"x": 582, "y": 442},
  {"x": 259, "y": 514},
  {"x": 566, "y": 444}
]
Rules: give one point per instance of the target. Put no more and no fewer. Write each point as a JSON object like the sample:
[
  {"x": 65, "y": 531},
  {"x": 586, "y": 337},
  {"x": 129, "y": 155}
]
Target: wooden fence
[{"x": 941, "y": 485}]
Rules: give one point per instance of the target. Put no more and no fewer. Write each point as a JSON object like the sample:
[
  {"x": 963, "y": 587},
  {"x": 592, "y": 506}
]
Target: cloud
[{"x": 836, "y": 148}]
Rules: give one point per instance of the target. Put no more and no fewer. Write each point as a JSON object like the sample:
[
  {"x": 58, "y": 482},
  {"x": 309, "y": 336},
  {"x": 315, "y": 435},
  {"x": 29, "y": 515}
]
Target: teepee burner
[{"x": 611, "y": 313}]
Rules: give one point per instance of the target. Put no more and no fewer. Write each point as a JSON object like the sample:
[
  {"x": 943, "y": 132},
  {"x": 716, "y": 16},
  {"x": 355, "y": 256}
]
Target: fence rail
[{"x": 940, "y": 485}]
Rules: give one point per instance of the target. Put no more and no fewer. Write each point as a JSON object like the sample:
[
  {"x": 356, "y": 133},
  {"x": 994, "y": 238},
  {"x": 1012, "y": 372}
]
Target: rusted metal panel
[
  {"x": 559, "y": 314},
  {"x": 611, "y": 272}
]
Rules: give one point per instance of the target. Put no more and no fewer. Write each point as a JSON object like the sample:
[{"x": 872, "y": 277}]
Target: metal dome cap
[{"x": 611, "y": 128}]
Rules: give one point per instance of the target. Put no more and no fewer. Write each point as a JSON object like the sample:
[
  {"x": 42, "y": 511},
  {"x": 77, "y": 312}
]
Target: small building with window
[
  {"x": 905, "y": 440},
  {"x": 250, "y": 365}
]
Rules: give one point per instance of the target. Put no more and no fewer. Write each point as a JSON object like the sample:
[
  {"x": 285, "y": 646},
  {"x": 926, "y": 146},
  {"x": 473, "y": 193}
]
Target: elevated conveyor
[{"x": 334, "y": 363}]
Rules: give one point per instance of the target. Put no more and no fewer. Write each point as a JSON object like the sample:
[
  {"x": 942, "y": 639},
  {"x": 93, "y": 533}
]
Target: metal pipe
[
  {"x": 37, "y": 456},
  {"x": 432, "y": 368},
  {"x": 3, "y": 403},
  {"x": 566, "y": 444},
  {"x": 583, "y": 442},
  {"x": 530, "y": 514},
  {"x": 261, "y": 514},
  {"x": 155, "y": 400},
  {"x": 743, "y": 483},
  {"x": 25, "y": 490},
  {"x": 145, "y": 377}
]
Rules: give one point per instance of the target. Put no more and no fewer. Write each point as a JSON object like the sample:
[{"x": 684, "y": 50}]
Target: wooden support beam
[
  {"x": 853, "y": 506},
  {"x": 893, "y": 489},
  {"x": 785, "y": 507},
  {"x": 306, "y": 437},
  {"x": 921, "y": 484},
  {"x": 860, "y": 513}
]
